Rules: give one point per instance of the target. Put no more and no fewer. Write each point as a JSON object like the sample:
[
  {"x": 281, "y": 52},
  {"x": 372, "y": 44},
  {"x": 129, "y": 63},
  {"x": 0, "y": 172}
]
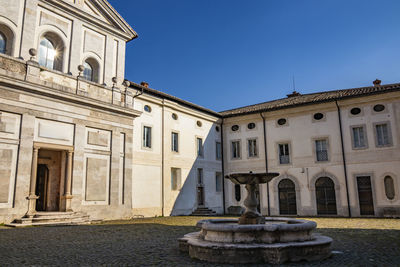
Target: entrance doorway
[
  {"x": 49, "y": 182},
  {"x": 287, "y": 197},
  {"x": 200, "y": 188},
  {"x": 326, "y": 196},
  {"x": 365, "y": 195}
]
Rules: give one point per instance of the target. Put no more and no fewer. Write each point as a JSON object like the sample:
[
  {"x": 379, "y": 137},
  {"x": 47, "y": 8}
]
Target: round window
[
  {"x": 379, "y": 108},
  {"x": 318, "y": 116},
  {"x": 217, "y": 128},
  {"x": 199, "y": 123},
  {"x": 355, "y": 111},
  {"x": 251, "y": 125},
  {"x": 174, "y": 116},
  {"x": 147, "y": 108},
  {"x": 282, "y": 121},
  {"x": 235, "y": 128}
]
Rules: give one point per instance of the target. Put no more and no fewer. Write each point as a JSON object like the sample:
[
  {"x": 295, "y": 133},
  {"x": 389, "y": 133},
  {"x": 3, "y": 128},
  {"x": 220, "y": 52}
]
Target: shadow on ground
[{"x": 156, "y": 244}]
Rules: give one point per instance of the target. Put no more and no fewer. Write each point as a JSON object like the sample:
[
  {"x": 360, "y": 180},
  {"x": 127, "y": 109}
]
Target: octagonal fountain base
[{"x": 277, "y": 241}]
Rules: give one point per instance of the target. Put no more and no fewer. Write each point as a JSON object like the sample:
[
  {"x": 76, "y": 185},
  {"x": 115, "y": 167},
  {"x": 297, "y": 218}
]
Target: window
[
  {"x": 175, "y": 179},
  {"x": 200, "y": 176},
  {"x": 147, "y": 108},
  {"x": 200, "y": 148},
  {"x": 238, "y": 192},
  {"x": 217, "y": 128},
  {"x": 252, "y": 147},
  {"x": 251, "y": 125},
  {"x": 281, "y": 122},
  {"x": 389, "y": 187},
  {"x": 358, "y": 137},
  {"x": 88, "y": 72},
  {"x": 379, "y": 108},
  {"x": 383, "y": 137},
  {"x": 174, "y": 142},
  {"x": 321, "y": 148},
  {"x": 284, "y": 157},
  {"x": 218, "y": 182},
  {"x": 47, "y": 53},
  {"x": 3, "y": 43},
  {"x": 355, "y": 111},
  {"x": 234, "y": 128},
  {"x": 174, "y": 116},
  {"x": 318, "y": 116},
  {"x": 199, "y": 123},
  {"x": 235, "y": 149},
  {"x": 218, "y": 150},
  {"x": 147, "y": 136}
]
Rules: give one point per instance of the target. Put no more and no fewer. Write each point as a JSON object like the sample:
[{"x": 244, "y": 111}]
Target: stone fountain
[{"x": 253, "y": 238}]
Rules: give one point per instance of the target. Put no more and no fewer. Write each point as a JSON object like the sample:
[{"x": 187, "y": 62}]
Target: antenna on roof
[{"x": 294, "y": 83}]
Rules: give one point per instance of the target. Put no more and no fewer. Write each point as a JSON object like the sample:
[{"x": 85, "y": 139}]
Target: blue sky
[{"x": 223, "y": 54}]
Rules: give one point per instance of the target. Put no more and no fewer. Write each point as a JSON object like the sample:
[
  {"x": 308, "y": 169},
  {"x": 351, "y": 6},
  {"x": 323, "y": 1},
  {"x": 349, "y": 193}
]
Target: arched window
[
  {"x": 326, "y": 198},
  {"x": 51, "y": 52},
  {"x": 91, "y": 72},
  {"x": 287, "y": 197},
  {"x": 3, "y": 43},
  {"x": 88, "y": 71},
  {"x": 389, "y": 187}
]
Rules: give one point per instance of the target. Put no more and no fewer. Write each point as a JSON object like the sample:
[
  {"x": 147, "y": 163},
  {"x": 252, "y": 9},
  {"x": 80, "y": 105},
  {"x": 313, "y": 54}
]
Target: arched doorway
[
  {"x": 325, "y": 195},
  {"x": 287, "y": 197}
]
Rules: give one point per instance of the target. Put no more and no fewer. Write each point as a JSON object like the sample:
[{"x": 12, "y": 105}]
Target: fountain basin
[{"x": 274, "y": 230}]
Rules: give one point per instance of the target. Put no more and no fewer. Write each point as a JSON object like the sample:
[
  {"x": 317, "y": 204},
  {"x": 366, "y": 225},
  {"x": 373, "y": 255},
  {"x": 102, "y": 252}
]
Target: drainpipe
[
  {"x": 162, "y": 160},
  {"x": 266, "y": 161},
  {"x": 343, "y": 156},
  {"x": 223, "y": 165}
]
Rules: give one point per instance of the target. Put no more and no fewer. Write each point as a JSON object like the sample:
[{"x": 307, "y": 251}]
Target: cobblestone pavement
[{"x": 152, "y": 242}]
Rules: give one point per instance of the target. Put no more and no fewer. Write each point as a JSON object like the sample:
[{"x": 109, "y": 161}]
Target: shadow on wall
[{"x": 201, "y": 183}]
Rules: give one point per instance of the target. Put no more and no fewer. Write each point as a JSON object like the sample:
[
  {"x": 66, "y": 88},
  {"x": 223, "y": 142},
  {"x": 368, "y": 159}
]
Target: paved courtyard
[{"x": 150, "y": 242}]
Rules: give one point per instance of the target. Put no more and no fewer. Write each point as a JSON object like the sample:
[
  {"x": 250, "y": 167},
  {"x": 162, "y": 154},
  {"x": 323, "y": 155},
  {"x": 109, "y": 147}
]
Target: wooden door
[
  {"x": 365, "y": 195},
  {"x": 41, "y": 187}
]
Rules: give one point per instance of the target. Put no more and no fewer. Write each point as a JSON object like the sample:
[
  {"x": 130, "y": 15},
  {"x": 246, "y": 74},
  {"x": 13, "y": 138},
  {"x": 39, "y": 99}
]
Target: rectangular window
[
  {"x": 218, "y": 182},
  {"x": 321, "y": 148},
  {"x": 218, "y": 150},
  {"x": 174, "y": 142},
  {"x": 200, "y": 176},
  {"x": 200, "y": 149},
  {"x": 175, "y": 179},
  {"x": 235, "y": 149},
  {"x": 284, "y": 156},
  {"x": 358, "y": 137},
  {"x": 252, "y": 147},
  {"x": 147, "y": 136},
  {"x": 382, "y": 135}
]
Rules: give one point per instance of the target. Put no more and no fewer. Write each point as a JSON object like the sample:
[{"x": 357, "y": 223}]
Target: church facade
[{"x": 76, "y": 137}]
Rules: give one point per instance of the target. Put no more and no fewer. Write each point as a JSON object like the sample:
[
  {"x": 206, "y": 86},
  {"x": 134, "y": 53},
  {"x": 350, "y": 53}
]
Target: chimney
[
  {"x": 377, "y": 82},
  {"x": 145, "y": 84},
  {"x": 293, "y": 94}
]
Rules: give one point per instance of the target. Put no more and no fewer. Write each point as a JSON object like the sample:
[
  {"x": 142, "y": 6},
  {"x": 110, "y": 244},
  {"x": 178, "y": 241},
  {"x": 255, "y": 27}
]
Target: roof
[
  {"x": 163, "y": 95},
  {"x": 308, "y": 99}
]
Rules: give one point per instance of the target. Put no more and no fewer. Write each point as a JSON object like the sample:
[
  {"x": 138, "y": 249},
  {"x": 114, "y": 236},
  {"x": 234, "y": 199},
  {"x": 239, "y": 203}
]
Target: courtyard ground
[{"x": 153, "y": 242}]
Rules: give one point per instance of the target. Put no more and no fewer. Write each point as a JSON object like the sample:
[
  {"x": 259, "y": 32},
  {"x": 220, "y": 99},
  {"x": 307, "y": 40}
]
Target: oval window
[
  {"x": 147, "y": 108},
  {"x": 282, "y": 121},
  {"x": 318, "y": 116},
  {"x": 199, "y": 123},
  {"x": 389, "y": 187},
  {"x": 355, "y": 111},
  {"x": 251, "y": 125},
  {"x": 379, "y": 108},
  {"x": 235, "y": 128},
  {"x": 174, "y": 116},
  {"x": 217, "y": 128}
]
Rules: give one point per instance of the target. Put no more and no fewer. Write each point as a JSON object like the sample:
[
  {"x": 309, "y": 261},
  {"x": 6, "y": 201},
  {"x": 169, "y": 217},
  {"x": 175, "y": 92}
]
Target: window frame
[
  {"x": 279, "y": 152},
  {"x": 364, "y": 128},
  {"x": 218, "y": 175},
  {"x": 316, "y": 152},
  {"x": 218, "y": 156},
  {"x": 178, "y": 183},
  {"x": 144, "y": 145},
  {"x": 256, "y": 155},
  {"x": 390, "y": 136},
  {"x": 58, "y": 44},
  {"x": 199, "y": 149},
  {"x": 5, "y": 39},
  {"x": 231, "y": 149},
  {"x": 173, "y": 149}
]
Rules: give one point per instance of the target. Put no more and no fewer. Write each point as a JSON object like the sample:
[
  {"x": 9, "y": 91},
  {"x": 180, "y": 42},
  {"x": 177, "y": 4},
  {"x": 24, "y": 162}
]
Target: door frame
[{"x": 357, "y": 197}]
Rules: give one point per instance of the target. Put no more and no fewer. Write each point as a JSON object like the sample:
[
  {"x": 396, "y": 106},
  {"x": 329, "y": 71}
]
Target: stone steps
[
  {"x": 203, "y": 212},
  {"x": 52, "y": 218}
]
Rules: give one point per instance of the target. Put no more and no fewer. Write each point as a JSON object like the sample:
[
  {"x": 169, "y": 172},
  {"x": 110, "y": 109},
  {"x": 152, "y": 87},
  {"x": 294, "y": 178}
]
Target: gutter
[
  {"x": 343, "y": 157},
  {"x": 266, "y": 160},
  {"x": 162, "y": 161}
]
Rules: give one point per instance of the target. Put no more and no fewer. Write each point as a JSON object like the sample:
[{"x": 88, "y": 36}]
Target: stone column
[
  {"x": 32, "y": 190},
  {"x": 68, "y": 183}
]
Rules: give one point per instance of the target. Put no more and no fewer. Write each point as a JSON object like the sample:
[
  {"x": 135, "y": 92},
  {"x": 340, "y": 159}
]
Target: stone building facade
[{"x": 75, "y": 136}]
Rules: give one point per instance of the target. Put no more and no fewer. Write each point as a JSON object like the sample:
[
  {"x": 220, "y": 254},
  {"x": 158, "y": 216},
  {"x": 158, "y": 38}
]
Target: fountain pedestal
[{"x": 251, "y": 214}]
